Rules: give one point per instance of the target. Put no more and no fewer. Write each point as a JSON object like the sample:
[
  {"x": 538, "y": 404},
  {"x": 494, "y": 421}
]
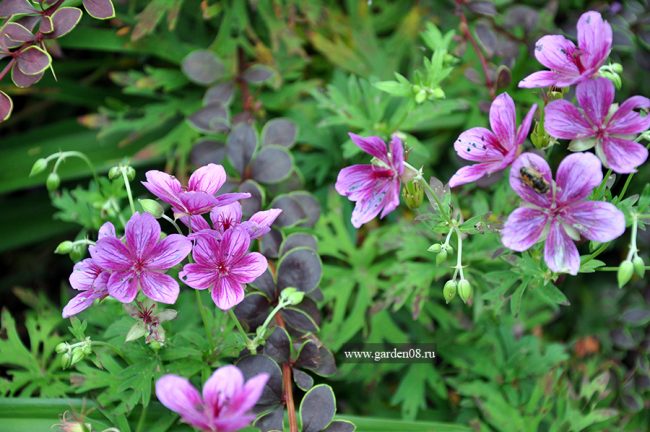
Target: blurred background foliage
[{"x": 126, "y": 88}]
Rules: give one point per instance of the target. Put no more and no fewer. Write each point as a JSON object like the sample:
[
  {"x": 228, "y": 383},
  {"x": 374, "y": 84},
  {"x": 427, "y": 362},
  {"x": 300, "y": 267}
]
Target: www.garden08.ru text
[{"x": 390, "y": 356}]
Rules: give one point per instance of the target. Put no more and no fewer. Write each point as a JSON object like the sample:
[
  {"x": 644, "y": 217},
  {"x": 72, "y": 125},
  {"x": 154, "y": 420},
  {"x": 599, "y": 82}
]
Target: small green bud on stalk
[
  {"x": 64, "y": 248},
  {"x": 53, "y": 182},
  {"x": 449, "y": 290},
  {"x": 442, "y": 257},
  {"x": 639, "y": 266},
  {"x": 292, "y": 296},
  {"x": 435, "y": 248},
  {"x": 78, "y": 252},
  {"x": 130, "y": 173},
  {"x": 66, "y": 360},
  {"x": 155, "y": 345},
  {"x": 114, "y": 173},
  {"x": 61, "y": 348},
  {"x": 464, "y": 290},
  {"x": 438, "y": 93},
  {"x": 413, "y": 194},
  {"x": 152, "y": 207},
  {"x": 625, "y": 272},
  {"x": 77, "y": 355},
  {"x": 421, "y": 96},
  {"x": 39, "y": 166}
]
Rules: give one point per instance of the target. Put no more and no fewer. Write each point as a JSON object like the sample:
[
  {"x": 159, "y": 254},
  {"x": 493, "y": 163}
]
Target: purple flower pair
[
  {"x": 558, "y": 210},
  {"x": 224, "y": 406},
  {"x": 229, "y": 216}
]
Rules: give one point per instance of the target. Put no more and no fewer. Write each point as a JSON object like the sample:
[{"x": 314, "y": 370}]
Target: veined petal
[
  {"x": 391, "y": 200},
  {"x": 164, "y": 186},
  {"x": 595, "y": 96},
  {"x": 198, "y": 276},
  {"x": 106, "y": 230},
  {"x": 227, "y": 293},
  {"x": 226, "y": 216},
  {"x": 249, "y": 267},
  {"x": 524, "y": 128},
  {"x": 196, "y": 223},
  {"x": 563, "y": 120},
  {"x": 626, "y": 121},
  {"x": 370, "y": 203},
  {"x": 471, "y": 173},
  {"x": 235, "y": 243},
  {"x": 206, "y": 249},
  {"x": 479, "y": 145},
  {"x": 228, "y": 198},
  {"x": 621, "y": 155},
  {"x": 352, "y": 181},
  {"x": 577, "y": 176},
  {"x": 123, "y": 286},
  {"x": 531, "y": 163},
  {"x": 260, "y": 223},
  {"x": 539, "y": 79},
  {"x": 170, "y": 251},
  {"x": 594, "y": 39},
  {"x": 159, "y": 287},
  {"x": 397, "y": 154},
  {"x": 110, "y": 254},
  {"x": 84, "y": 274},
  {"x": 208, "y": 179},
  {"x": 224, "y": 384},
  {"x": 372, "y": 145},
  {"x": 180, "y": 396},
  {"x": 560, "y": 253},
  {"x": 196, "y": 203},
  {"x": 596, "y": 220},
  {"x": 252, "y": 391},
  {"x": 79, "y": 303},
  {"x": 503, "y": 120},
  {"x": 523, "y": 228},
  {"x": 556, "y": 53},
  {"x": 142, "y": 234}
]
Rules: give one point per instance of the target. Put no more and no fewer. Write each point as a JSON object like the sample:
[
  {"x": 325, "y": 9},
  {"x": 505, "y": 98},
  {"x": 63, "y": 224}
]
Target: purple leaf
[
  {"x": 33, "y": 60},
  {"x": 483, "y": 7},
  {"x": 340, "y": 426},
  {"x": 14, "y": 35},
  {"x": 212, "y": 118},
  {"x": 297, "y": 240},
  {"x": 254, "y": 203},
  {"x": 64, "y": 21},
  {"x": 23, "y": 81},
  {"x": 202, "y": 67},
  {"x": 270, "y": 243},
  {"x": 6, "y": 106},
  {"x": 272, "y": 165},
  {"x": 15, "y": 7},
  {"x": 309, "y": 205},
  {"x": 300, "y": 268},
  {"x": 257, "y": 73},
  {"x": 271, "y": 421},
  {"x": 302, "y": 379},
  {"x": 317, "y": 408},
  {"x": 99, "y": 9},
  {"x": 279, "y": 131},
  {"x": 240, "y": 146},
  {"x": 207, "y": 151},
  {"x": 256, "y": 364},
  {"x": 221, "y": 93}
]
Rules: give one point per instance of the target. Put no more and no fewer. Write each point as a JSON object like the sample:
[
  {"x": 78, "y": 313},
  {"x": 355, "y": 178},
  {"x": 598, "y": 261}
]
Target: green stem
[
  {"x": 613, "y": 269},
  {"x": 459, "y": 256},
  {"x": 143, "y": 417},
  {"x": 431, "y": 194},
  {"x": 171, "y": 221},
  {"x": 204, "y": 318},
  {"x": 60, "y": 156},
  {"x": 128, "y": 188},
  {"x": 635, "y": 226},
  {"x": 242, "y": 331}
]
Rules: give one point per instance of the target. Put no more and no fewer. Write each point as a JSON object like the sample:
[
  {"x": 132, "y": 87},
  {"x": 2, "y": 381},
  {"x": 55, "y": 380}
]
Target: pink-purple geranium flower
[
  {"x": 230, "y": 215},
  {"x": 199, "y": 195},
  {"x": 225, "y": 405},
  {"x": 493, "y": 150},
  {"x": 596, "y": 125},
  {"x": 141, "y": 260},
  {"x": 224, "y": 265},
  {"x": 569, "y": 64},
  {"x": 558, "y": 211},
  {"x": 375, "y": 188}
]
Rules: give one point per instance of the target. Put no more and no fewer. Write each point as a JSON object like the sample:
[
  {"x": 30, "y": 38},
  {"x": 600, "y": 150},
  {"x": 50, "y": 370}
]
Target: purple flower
[
  {"x": 569, "y": 64},
  {"x": 558, "y": 210},
  {"x": 141, "y": 260},
  {"x": 199, "y": 195},
  {"x": 224, "y": 265},
  {"x": 596, "y": 125},
  {"x": 225, "y": 405},
  {"x": 496, "y": 150},
  {"x": 230, "y": 215},
  {"x": 375, "y": 188}
]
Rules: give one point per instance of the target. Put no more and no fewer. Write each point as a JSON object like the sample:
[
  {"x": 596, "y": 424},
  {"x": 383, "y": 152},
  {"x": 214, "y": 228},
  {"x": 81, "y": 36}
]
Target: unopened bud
[
  {"x": 152, "y": 207},
  {"x": 413, "y": 194},
  {"x": 61, "y": 348},
  {"x": 617, "y": 67},
  {"x": 449, "y": 290},
  {"x": 464, "y": 290},
  {"x": 421, "y": 96},
  {"x": 438, "y": 93},
  {"x": 66, "y": 360},
  {"x": 292, "y": 296},
  {"x": 442, "y": 257},
  {"x": 77, "y": 355},
  {"x": 39, "y": 166},
  {"x": 77, "y": 253},
  {"x": 435, "y": 248},
  {"x": 114, "y": 173},
  {"x": 625, "y": 272},
  {"x": 130, "y": 173},
  {"x": 64, "y": 248},
  {"x": 639, "y": 266},
  {"x": 155, "y": 345},
  {"x": 53, "y": 182}
]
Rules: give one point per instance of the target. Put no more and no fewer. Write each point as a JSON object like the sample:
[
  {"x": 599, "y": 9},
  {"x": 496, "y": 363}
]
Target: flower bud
[
  {"x": 625, "y": 272},
  {"x": 61, "y": 348},
  {"x": 78, "y": 252},
  {"x": 87, "y": 349},
  {"x": 152, "y": 207},
  {"x": 421, "y": 96},
  {"x": 438, "y": 93},
  {"x": 442, "y": 256},
  {"x": 155, "y": 345},
  {"x": 413, "y": 194},
  {"x": 435, "y": 248},
  {"x": 53, "y": 181},
  {"x": 64, "y": 248},
  {"x": 77, "y": 355},
  {"x": 114, "y": 173},
  {"x": 617, "y": 67},
  {"x": 464, "y": 290},
  {"x": 130, "y": 173},
  {"x": 449, "y": 290},
  {"x": 540, "y": 138},
  {"x": 639, "y": 266},
  {"x": 291, "y": 296},
  {"x": 39, "y": 166},
  {"x": 66, "y": 360}
]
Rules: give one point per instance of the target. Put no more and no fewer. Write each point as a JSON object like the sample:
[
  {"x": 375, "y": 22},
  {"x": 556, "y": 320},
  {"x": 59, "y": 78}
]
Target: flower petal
[
  {"x": 253, "y": 390},
  {"x": 229, "y": 198},
  {"x": 206, "y": 248},
  {"x": 249, "y": 267},
  {"x": 123, "y": 286},
  {"x": 164, "y": 186},
  {"x": 577, "y": 176},
  {"x": 555, "y": 52},
  {"x": 195, "y": 203},
  {"x": 371, "y": 202},
  {"x": 110, "y": 253},
  {"x": 353, "y": 181},
  {"x": 621, "y": 155},
  {"x": 84, "y": 275},
  {"x": 170, "y": 251},
  {"x": 595, "y": 96},
  {"x": 626, "y": 121},
  {"x": 539, "y": 79},
  {"x": 227, "y": 293},
  {"x": 198, "y": 276},
  {"x": 180, "y": 396},
  {"x": 208, "y": 179},
  {"x": 142, "y": 234},
  {"x": 523, "y": 228},
  {"x": 532, "y": 163},
  {"x": 560, "y": 253},
  {"x": 391, "y": 200},
  {"x": 471, "y": 173},
  {"x": 373, "y": 145},
  {"x": 224, "y": 384},
  {"x": 563, "y": 120},
  {"x": 106, "y": 230},
  {"x": 596, "y": 220},
  {"x": 226, "y": 216},
  {"x": 235, "y": 243},
  {"x": 503, "y": 120},
  {"x": 79, "y": 303},
  {"x": 397, "y": 154},
  {"x": 159, "y": 287},
  {"x": 479, "y": 145},
  {"x": 594, "y": 39},
  {"x": 524, "y": 128},
  {"x": 260, "y": 223}
]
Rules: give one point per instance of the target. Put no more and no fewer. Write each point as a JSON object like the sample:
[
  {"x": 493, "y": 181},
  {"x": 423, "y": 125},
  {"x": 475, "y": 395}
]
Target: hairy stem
[{"x": 287, "y": 388}]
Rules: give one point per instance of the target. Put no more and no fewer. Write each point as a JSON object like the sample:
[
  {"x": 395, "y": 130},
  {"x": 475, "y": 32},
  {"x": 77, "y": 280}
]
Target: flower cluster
[
  {"x": 554, "y": 211},
  {"x": 121, "y": 267}
]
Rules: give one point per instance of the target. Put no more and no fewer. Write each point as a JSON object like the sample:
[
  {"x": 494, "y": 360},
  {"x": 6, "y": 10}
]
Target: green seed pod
[
  {"x": 449, "y": 290},
  {"x": 53, "y": 182},
  {"x": 625, "y": 272},
  {"x": 464, "y": 290},
  {"x": 77, "y": 355},
  {"x": 130, "y": 173},
  {"x": 413, "y": 194},
  {"x": 61, "y": 348},
  {"x": 435, "y": 248},
  {"x": 39, "y": 166},
  {"x": 66, "y": 360},
  {"x": 421, "y": 96},
  {"x": 64, "y": 248},
  {"x": 438, "y": 93},
  {"x": 639, "y": 266},
  {"x": 114, "y": 173},
  {"x": 617, "y": 67},
  {"x": 78, "y": 252},
  {"x": 152, "y": 207},
  {"x": 442, "y": 257}
]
